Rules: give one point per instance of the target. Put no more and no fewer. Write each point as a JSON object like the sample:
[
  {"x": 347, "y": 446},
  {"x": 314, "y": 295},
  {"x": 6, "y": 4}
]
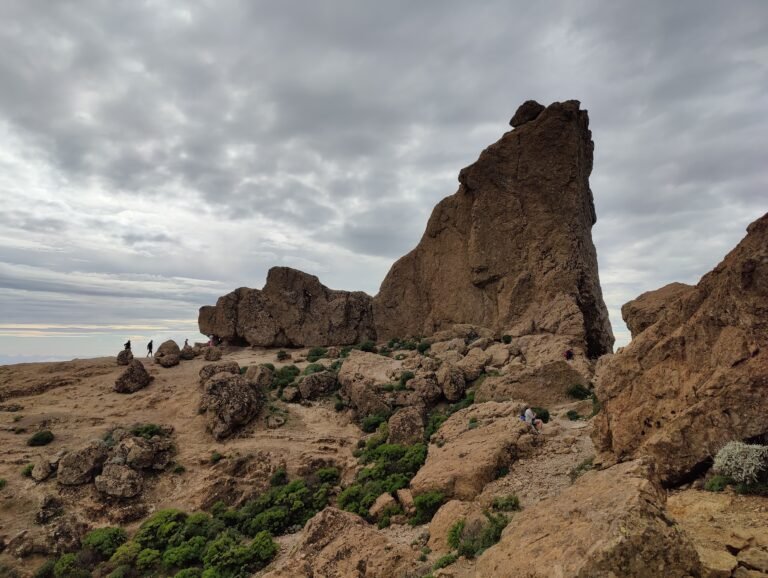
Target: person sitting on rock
[
  {"x": 532, "y": 420},
  {"x": 127, "y": 345},
  {"x": 149, "y": 349},
  {"x": 568, "y": 354}
]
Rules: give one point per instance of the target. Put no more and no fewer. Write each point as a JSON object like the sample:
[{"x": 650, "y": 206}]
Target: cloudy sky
[{"x": 157, "y": 154}]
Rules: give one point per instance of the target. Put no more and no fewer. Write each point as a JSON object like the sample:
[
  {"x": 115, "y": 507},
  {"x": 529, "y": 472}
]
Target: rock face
[
  {"x": 79, "y": 467},
  {"x": 168, "y": 354},
  {"x": 133, "y": 379},
  {"x": 119, "y": 481},
  {"x": 230, "y": 402},
  {"x": 317, "y": 384},
  {"x": 338, "y": 544},
  {"x": 696, "y": 374},
  {"x": 293, "y": 309},
  {"x": 610, "y": 523},
  {"x": 124, "y": 357},
  {"x": 512, "y": 249}
]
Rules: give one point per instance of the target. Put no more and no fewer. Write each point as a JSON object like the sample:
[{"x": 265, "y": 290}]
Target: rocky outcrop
[
  {"x": 79, "y": 467},
  {"x": 168, "y": 354},
  {"x": 124, "y": 357},
  {"x": 261, "y": 375},
  {"x": 211, "y": 369},
  {"x": 119, "y": 481},
  {"x": 317, "y": 384},
  {"x": 293, "y": 309},
  {"x": 696, "y": 376},
  {"x": 359, "y": 375},
  {"x": 337, "y": 544},
  {"x": 187, "y": 353},
  {"x": 512, "y": 249},
  {"x": 473, "y": 446},
  {"x": 642, "y": 312},
  {"x": 230, "y": 402},
  {"x": 134, "y": 378},
  {"x": 406, "y": 427},
  {"x": 610, "y": 523},
  {"x": 212, "y": 354}
]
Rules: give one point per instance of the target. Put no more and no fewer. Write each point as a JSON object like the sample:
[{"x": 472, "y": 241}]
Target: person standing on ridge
[
  {"x": 149, "y": 349},
  {"x": 127, "y": 345},
  {"x": 186, "y": 342}
]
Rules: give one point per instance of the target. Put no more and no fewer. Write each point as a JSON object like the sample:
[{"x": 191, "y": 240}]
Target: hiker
[
  {"x": 568, "y": 354},
  {"x": 149, "y": 349},
  {"x": 186, "y": 342},
  {"x": 127, "y": 345},
  {"x": 532, "y": 420}
]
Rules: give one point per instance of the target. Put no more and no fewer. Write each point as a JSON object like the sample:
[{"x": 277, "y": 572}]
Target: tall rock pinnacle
[{"x": 512, "y": 248}]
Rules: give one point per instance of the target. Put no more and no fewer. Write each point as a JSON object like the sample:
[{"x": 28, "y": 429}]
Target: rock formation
[
  {"x": 512, "y": 249},
  {"x": 293, "y": 309},
  {"x": 696, "y": 372},
  {"x": 229, "y": 402},
  {"x": 168, "y": 354},
  {"x": 134, "y": 378}
]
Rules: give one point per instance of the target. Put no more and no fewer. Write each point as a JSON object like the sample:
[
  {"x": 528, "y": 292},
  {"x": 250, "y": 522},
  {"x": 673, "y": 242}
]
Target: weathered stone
[
  {"x": 754, "y": 559},
  {"x": 79, "y": 466},
  {"x": 426, "y": 387},
  {"x": 260, "y": 375},
  {"x": 143, "y": 454},
  {"x": 317, "y": 384},
  {"x": 526, "y": 112},
  {"x": 457, "y": 344},
  {"x": 291, "y": 394},
  {"x": 50, "y": 507},
  {"x": 697, "y": 376},
  {"x": 187, "y": 353},
  {"x": 609, "y": 523},
  {"x": 645, "y": 310},
  {"x": 447, "y": 516},
  {"x": 211, "y": 369},
  {"x": 358, "y": 376},
  {"x": 512, "y": 249},
  {"x": 119, "y": 481},
  {"x": 42, "y": 469},
  {"x": 451, "y": 381},
  {"x": 168, "y": 354},
  {"x": 405, "y": 499},
  {"x": 212, "y": 354},
  {"x": 467, "y": 458},
  {"x": 230, "y": 402},
  {"x": 383, "y": 502},
  {"x": 293, "y": 309},
  {"x": 542, "y": 386},
  {"x": 134, "y": 378},
  {"x": 124, "y": 357},
  {"x": 406, "y": 427},
  {"x": 473, "y": 364}
]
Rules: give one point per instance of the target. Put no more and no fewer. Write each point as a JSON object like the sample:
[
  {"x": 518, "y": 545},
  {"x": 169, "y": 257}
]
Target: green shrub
[
  {"x": 4, "y": 483},
  {"x": 345, "y": 351},
  {"x": 227, "y": 556},
  {"x": 444, "y": 561},
  {"x": 41, "y": 438},
  {"x": 285, "y": 376},
  {"x": 717, "y": 483},
  {"x": 105, "y": 541},
  {"x": 473, "y": 423},
  {"x": 316, "y": 353},
  {"x": 405, "y": 377},
  {"x": 27, "y": 470},
  {"x": 148, "y": 430},
  {"x": 282, "y": 355},
  {"x": 336, "y": 365},
  {"x": 46, "y": 570},
  {"x": 426, "y": 505},
  {"x": 437, "y": 418},
  {"x": 541, "y": 413},
  {"x": 313, "y": 368},
  {"x": 371, "y": 423},
  {"x": 339, "y": 404},
  {"x": 178, "y": 469},
  {"x": 454, "y": 534},
  {"x": 573, "y": 415},
  {"x": 187, "y": 553},
  {"x": 578, "y": 391},
  {"x": 126, "y": 554},
  {"x": 583, "y": 467},
  {"x": 68, "y": 566},
  {"x": 506, "y": 339},
  {"x": 159, "y": 529},
  {"x": 148, "y": 559},
  {"x": 279, "y": 478},
  {"x": 216, "y": 457},
  {"x": 189, "y": 573},
  {"x": 368, "y": 346},
  {"x": 754, "y": 489},
  {"x": 509, "y": 503},
  {"x": 328, "y": 475},
  {"x": 743, "y": 463},
  {"x": 423, "y": 347}
]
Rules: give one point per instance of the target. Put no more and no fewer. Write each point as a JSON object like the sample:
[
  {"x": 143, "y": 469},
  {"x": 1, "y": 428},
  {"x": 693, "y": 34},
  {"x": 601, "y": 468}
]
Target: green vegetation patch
[
  {"x": 41, "y": 438},
  {"x": 578, "y": 391},
  {"x": 316, "y": 353},
  {"x": 285, "y": 376}
]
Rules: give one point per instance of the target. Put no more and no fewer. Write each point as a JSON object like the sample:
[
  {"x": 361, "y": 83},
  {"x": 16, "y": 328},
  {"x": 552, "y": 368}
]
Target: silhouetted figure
[
  {"x": 568, "y": 355},
  {"x": 186, "y": 342},
  {"x": 149, "y": 349},
  {"x": 127, "y": 345}
]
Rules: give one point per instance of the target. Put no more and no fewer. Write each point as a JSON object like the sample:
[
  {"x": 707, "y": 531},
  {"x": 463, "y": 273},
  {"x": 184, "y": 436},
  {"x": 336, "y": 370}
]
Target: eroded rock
[
  {"x": 134, "y": 378},
  {"x": 230, "y": 402},
  {"x": 119, "y": 481},
  {"x": 79, "y": 466}
]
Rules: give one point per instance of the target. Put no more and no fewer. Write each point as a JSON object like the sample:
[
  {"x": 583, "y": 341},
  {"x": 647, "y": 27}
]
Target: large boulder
[
  {"x": 696, "y": 374},
  {"x": 317, "y": 384},
  {"x": 474, "y": 445},
  {"x": 124, "y": 357},
  {"x": 168, "y": 354},
  {"x": 406, "y": 426},
  {"x": 187, "y": 353},
  {"x": 211, "y": 369},
  {"x": 512, "y": 249},
  {"x": 359, "y": 375},
  {"x": 261, "y": 375},
  {"x": 119, "y": 481},
  {"x": 293, "y": 309},
  {"x": 212, "y": 354},
  {"x": 451, "y": 381},
  {"x": 230, "y": 402},
  {"x": 336, "y": 544},
  {"x": 134, "y": 378},
  {"x": 143, "y": 454},
  {"x": 78, "y": 467},
  {"x": 541, "y": 386},
  {"x": 609, "y": 523}
]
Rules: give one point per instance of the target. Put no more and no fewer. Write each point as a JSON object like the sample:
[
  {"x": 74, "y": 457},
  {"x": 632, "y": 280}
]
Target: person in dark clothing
[
  {"x": 149, "y": 349},
  {"x": 568, "y": 355},
  {"x": 127, "y": 345}
]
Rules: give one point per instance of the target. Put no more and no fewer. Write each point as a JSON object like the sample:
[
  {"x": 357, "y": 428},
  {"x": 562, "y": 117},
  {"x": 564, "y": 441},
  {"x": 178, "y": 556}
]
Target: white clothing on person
[{"x": 529, "y": 416}]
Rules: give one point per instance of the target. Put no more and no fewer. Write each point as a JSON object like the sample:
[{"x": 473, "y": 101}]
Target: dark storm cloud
[{"x": 215, "y": 139}]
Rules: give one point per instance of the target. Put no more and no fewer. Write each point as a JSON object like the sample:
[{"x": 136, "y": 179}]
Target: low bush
[
  {"x": 506, "y": 339},
  {"x": 573, "y": 415},
  {"x": 313, "y": 368},
  {"x": 426, "y": 505},
  {"x": 437, "y": 417},
  {"x": 147, "y": 430},
  {"x": 105, "y": 541},
  {"x": 743, "y": 463},
  {"x": 329, "y": 475},
  {"x": 444, "y": 561},
  {"x": 371, "y": 423},
  {"x": 422, "y": 347},
  {"x": 285, "y": 376},
  {"x": 316, "y": 353},
  {"x": 27, "y": 470},
  {"x": 454, "y": 534},
  {"x": 4, "y": 482},
  {"x": 509, "y": 503},
  {"x": 578, "y": 391},
  {"x": 582, "y": 468},
  {"x": 45, "y": 571},
  {"x": 216, "y": 457},
  {"x": 41, "y": 438},
  {"x": 405, "y": 377},
  {"x": 282, "y": 355},
  {"x": 279, "y": 478},
  {"x": 473, "y": 423},
  {"x": 541, "y": 413},
  {"x": 368, "y": 346},
  {"x": 269, "y": 366},
  {"x": 717, "y": 483},
  {"x": 68, "y": 566}
]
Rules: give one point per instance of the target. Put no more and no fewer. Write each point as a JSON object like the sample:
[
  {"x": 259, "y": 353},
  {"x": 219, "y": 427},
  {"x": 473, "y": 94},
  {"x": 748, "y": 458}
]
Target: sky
[{"x": 155, "y": 155}]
